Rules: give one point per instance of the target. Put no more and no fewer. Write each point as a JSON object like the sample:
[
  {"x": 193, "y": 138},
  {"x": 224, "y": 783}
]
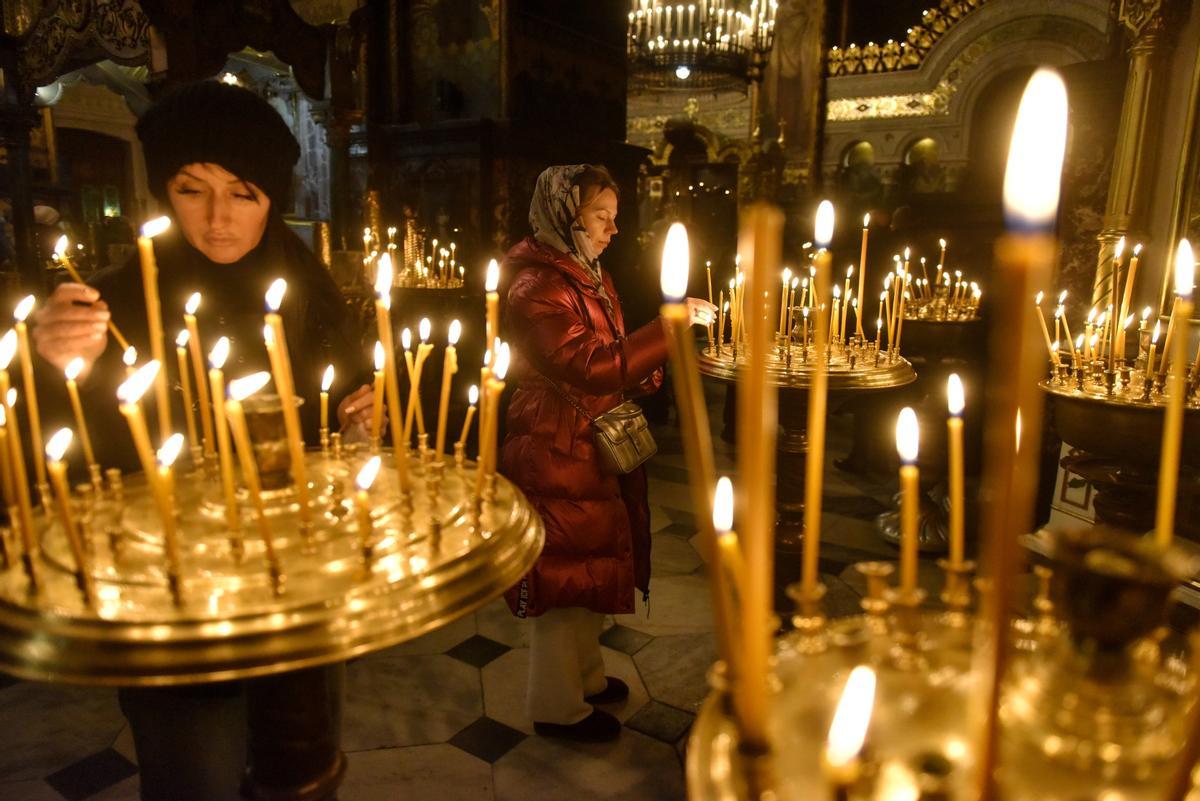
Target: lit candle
[
  {"x": 842, "y": 764},
  {"x": 145, "y": 244},
  {"x": 449, "y": 368},
  {"x": 786, "y": 277},
  {"x": 817, "y": 395},
  {"x": 61, "y": 254},
  {"x": 206, "y": 425},
  {"x": 1024, "y": 258},
  {"x": 129, "y": 357},
  {"x": 362, "y": 505},
  {"x": 1061, "y": 315},
  {"x": 693, "y": 419},
  {"x": 72, "y": 371},
  {"x": 708, "y": 275},
  {"x": 955, "y": 402},
  {"x": 845, "y": 303},
  {"x": 239, "y": 390},
  {"x": 129, "y": 394},
  {"x": 472, "y": 399},
  {"x": 379, "y": 393},
  {"x": 281, "y": 367},
  {"x": 1153, "y": 345},
  {"x": 728, "y": 579},
  {"x": 862, "y": 270},
  {"x": 1037, "y": 301},
  {"x": 6, "y": 480},
  {"x": 35, "y": 419},
  {"x": 16, "y": 452},
  {"x": 216, "y": 381},
  {"x": 759, "y": 244},
  {"x": 907, "y": 436},
  {"x": 56, "y": 448},
  {"x": 326, "y": 383},
  {"x": 941, "y": 265},
  {"x": 383, "y": 317},
  {"x": 488, "y": 418},
  {"x": 1176, "y": 391},
  {"x": 424, "y": 348},
  {"x": 1129, "y": 279},
  {"x": 164, "y": 495},
  {"x": 491, "y": 284},
  {"x": 185, "y": 384}
]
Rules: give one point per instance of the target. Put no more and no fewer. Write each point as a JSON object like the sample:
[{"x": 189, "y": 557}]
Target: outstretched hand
[{"x": 354, "y": 414}]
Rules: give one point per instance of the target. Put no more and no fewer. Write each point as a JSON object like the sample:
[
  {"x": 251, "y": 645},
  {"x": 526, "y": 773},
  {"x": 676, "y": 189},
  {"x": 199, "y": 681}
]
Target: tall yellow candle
[
  {"x": 165, "y": 497},
  {"x": 492, "y": 388},
  {"x": 35, "y": 419},
  {"x": 728, "y": 580},
  {"x": 862, "y": 270},
  {"x": 8, "y": 349},
  {"x": 1023, "y": 259},
  {"x": 62, "y": 254},
  {"x": 56, "y": 448},
  {"x": 185, "y": 384},
  {"x": 379, "y": 391},
  {"x": 941, "y": 265},
  {"x": 449, "y": 368},
  {"x": 6, "y": 482},
  {"x": 1149, "y": 374},
  {"x": 414, "y": 390},
  {"x": 194, "y": 343},
  {"x": 1128, "y": 297},
  {"x": 239, "y": 390},
  {"x": 1176, "y": 391},
  {"x": 129, "y": 394},
  {"x": 145, "y": 244},
  {"x": 1037, "y": 301},
  {"x": 955, "y": 402},
  {"x": 72, "y": 371},
  {"x": 281, "y": 366},
  {"x": 326, "y": 383},
  {"x": 817, "y": 397},
  {"x": 491, "y": 285},
  {"x": 907, "y": 437},
  {"x": 383, "y": 316},
  {"x": 696, "y": 436},
  {"x": 216, "y": 381},
  {"x": 472, "y": 399},
  {"x": 845, "y": 303},
  {"x": 759, "y": 244}
]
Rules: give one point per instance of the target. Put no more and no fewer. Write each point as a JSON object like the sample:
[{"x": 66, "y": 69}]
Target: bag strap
[{"x": 562, "y": 393}]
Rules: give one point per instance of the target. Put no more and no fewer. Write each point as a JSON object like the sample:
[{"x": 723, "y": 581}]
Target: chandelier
[{"x": 710, "y": 45}]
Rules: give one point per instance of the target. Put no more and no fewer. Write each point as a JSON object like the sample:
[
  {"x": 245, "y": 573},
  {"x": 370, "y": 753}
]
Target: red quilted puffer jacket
[{"x": 597, "y": 525}]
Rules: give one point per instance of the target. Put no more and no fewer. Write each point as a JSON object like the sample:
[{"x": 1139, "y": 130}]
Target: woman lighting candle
[
  {"x": 907, "y": 437},
  {"x": 1176, "y": 391}
]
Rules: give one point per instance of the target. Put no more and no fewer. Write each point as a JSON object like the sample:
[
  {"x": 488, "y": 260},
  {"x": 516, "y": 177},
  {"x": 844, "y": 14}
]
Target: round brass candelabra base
[{"x": 335, "y": 594}]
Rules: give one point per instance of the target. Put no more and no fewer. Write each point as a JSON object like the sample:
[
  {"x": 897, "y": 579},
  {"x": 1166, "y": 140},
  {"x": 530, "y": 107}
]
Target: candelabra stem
[{"x": 810, "y": 621}]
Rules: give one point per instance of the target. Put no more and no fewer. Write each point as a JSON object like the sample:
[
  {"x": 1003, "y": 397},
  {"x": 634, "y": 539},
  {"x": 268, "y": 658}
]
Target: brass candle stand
[
  {"x": 1087, "y": 711},
  {"x": 432, "y": 560}
]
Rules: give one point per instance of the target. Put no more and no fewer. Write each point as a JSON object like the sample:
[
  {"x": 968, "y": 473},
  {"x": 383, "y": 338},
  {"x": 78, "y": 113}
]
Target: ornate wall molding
[
  {"x": 72, "y": 33},
  {"x": 894, "y": 55}
]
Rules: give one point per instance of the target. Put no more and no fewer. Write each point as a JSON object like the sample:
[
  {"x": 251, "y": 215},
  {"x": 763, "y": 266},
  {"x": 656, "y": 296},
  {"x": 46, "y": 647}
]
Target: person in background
[{"x": 569, "y": 337}]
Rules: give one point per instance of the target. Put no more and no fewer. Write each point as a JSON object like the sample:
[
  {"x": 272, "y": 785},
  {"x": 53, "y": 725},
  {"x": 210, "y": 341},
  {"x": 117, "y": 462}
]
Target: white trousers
[{"x": 565, "y": 664}]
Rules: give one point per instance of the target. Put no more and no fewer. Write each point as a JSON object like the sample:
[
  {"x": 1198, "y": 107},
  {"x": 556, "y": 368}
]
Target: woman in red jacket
[{"x": 565, "y": 320}]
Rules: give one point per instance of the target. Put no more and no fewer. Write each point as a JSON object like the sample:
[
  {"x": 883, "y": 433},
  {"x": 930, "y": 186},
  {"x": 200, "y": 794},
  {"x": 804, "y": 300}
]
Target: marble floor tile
[
  {"x": 674, "y": 669},
  {"x": 408, "y": 700},
  {"x": 662, "y": 722},
  {"x": 123, "y": 745},
  {"x": 59, "y": 725},
  {"x": 496, "y": 622},
  {"x": 623, "y": 667},
  {"x": 31, "y": 790},
  {"x": 624, "y": 639},
  {"x": 678, "y": 605},
  {"x": 440, "y": 772},
  {"x": 438, "y": 641},
  {"x": 672, "y": 555},
  {"x": 92, "y": 774},
  {"x": 658, "y": 518},
  {"x": 633, "y": 768},
  {"x": 671, "y": 494},
  {"x": 126, "y": 790},
  {"x": 477, "y": 650},
  {"x": 487, "y": 739}
]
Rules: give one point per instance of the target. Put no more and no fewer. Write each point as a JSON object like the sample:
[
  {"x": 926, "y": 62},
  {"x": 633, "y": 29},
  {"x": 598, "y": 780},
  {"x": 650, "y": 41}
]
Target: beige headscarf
[{"x": 554, "y": 213}]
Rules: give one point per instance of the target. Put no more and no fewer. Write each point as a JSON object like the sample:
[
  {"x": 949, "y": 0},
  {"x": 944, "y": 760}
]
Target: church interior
[{"x": 729, "y": 400}]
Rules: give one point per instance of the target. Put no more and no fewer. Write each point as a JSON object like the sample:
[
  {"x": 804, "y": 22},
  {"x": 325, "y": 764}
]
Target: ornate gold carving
[
  {"x": 892, "y": 55},
  {"x": 82, "y": 32},
  {"x": 1137, "y": 14}
]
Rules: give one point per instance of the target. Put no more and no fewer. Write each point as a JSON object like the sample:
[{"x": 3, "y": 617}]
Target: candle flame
[
  {"x": 455, "y": 332},
  {"x": 1035, "y": 156},
  {"x": 56, "y": 448},
  {"x": 327, "y": 378},
  {"x": 1137, "y": 249},
  {"x": 219, "y": 353},
  {"x": 383, "y": 275},
  {"x": 11, "y": 397},
  {"x": 823, "y": 230},
  {"x": 1120, "y": 249},
  {"x": 723, "y": 505},
  {"x": 379, "y": 356},
  {"x": 193, "y": 303},
  {"x": 129, "y": 356},
  {"x": 795, "y": 282},
  {"x": 804, "y": 311},
  {"x": 492, "y": 279},
  {"x": 73, "y": 368},
  {"x": 837, "y": 291},
  {"x": 275, "y": 294},
  {"x": 907, "y": 435},
  {"x": 1146, "y": 312},
  {"x": 170, "y": 449},
  {"x": 60, "y": 247},
  {"x": 1157, "y": 331},
  {"x": 366, "y": 476},
  {"x": 155, "y": 227},
  {"x": 906, "y": 253},
  {"x": 1037, "y": 299},
  {"x": 955, "y": 397},
  {"x": 787, "y": 274},
  {"x": 1091, "y": 316},
  {"x": 1128, "y": 322},
  {"x": 425, "y": 328},
  {"x": 473, "y": 395},
  {"x": 181, "y": 339},
  {"x": 887, "y": 282},
  {"x": 503, "y": 356},
  {"x": 24, "y": 308},
  {"x": 942, "y": 243},
  {"x": 852, "y": 717},
  {"x": 850, "y": 271},
  {"x": 1018, "y": 429},
  {"x": 406, "y": 339},
  {"x": 1079, "y": 342},
  {"x": 3, "y": 415},
  {"x": 1185, "y": 269},
  {"x": 134, "y": 387},
  {"x": 867, "y": 220},
  {"x": 244, "y": 387}
]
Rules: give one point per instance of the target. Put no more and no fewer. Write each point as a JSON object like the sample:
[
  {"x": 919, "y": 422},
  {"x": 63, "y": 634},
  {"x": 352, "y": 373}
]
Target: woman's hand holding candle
[{"x": 71, "y": 323}]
